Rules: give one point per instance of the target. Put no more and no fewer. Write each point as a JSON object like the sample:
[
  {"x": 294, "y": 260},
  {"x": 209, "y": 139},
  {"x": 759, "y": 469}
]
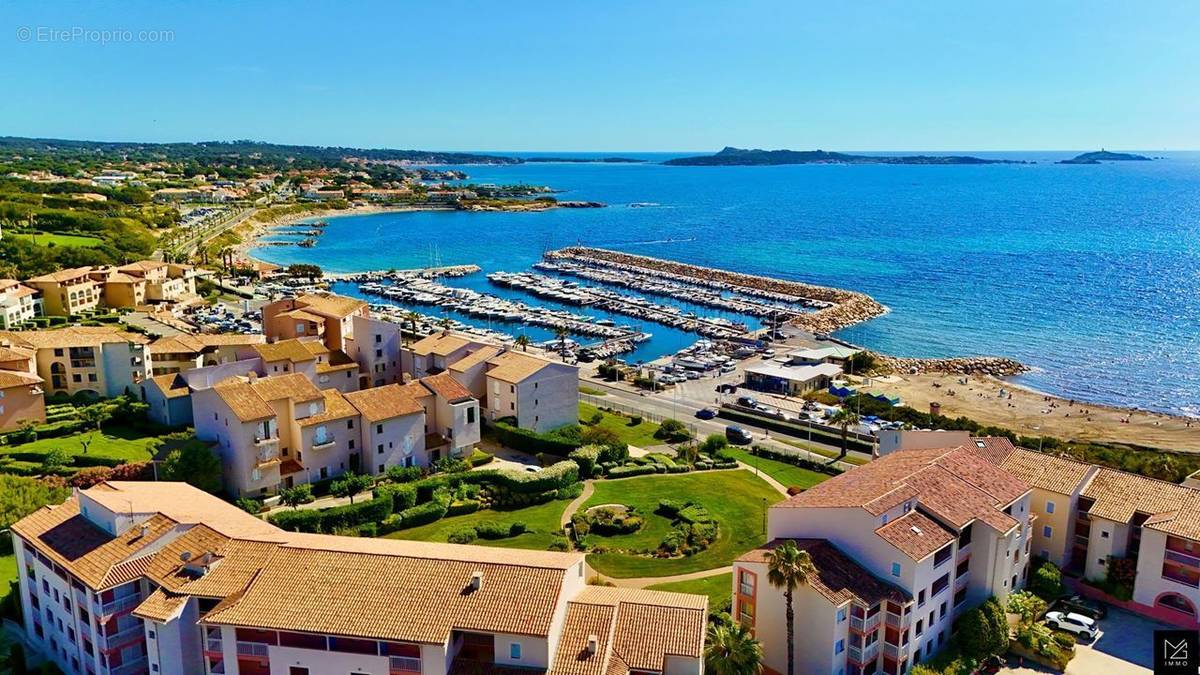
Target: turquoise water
[{"x": 1091, "y": 274}]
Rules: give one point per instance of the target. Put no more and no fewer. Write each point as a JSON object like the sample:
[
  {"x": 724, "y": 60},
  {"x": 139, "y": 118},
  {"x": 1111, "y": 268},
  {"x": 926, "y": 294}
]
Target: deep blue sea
[{"x": 1090, "y": 274}]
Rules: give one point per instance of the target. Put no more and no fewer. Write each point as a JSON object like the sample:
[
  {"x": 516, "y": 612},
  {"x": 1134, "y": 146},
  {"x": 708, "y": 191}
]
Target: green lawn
[
  {"x": 115, "y": 442},
  {"x": 641, "y": 435},
  {"x": 592, "y": 391},
  {"x": 830, "y": 454},
  {"x": 65, "y": 240},
  {"x": 718, "y": 588},
  {"x": 785, "y": 473},
  {"x": 542, "y": 522},
  {"x": 737, "y": 499}
]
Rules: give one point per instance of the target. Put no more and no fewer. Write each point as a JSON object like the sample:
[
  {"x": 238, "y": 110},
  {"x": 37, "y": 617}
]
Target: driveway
[{"x": 1124, "y": 647}]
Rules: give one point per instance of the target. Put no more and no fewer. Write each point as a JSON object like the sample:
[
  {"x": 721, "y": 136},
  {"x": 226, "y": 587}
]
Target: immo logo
[{"x": 1176, "y": 652}]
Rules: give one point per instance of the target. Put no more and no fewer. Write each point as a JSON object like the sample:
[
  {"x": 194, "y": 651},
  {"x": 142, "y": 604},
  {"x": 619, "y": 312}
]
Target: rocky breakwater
[
  {"x": 995, "y": 366},
  {"x": 839, "y": 308}
]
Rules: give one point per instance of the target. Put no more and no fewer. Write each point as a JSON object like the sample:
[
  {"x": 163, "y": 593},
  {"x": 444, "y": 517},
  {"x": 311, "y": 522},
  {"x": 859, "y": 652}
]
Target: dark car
[
  {"x": 706, "y": 413},
  {"x": 726, "y": 388},
  {"x": 747, "y": 401},
  {"x": 1081, "y": 605},
  {"x": 738, "y": 435}
]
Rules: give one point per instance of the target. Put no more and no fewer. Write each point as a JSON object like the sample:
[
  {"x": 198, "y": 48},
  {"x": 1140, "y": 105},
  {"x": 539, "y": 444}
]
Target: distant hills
[
  {"x": 1105, "y": 156},
  {"x": 583, "y": 160},
  {"x": 740, "y": 157}
]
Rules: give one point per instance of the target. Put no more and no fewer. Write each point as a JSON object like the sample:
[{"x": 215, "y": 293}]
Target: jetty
[
  {"x": 423, "y": 272},
  {"x": 837, "y": 308}
]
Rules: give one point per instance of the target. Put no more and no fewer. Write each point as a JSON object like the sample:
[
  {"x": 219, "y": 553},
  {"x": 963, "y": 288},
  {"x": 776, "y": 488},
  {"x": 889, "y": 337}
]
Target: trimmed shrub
[
  {"x": 479, "y": 458},
  {"x": 586, "y": 457},
  {"x": 627, "y": 471},
  {"x": 492, "y": 530},
  {"x": 405, "y": 474},
  {"x": 559, "y": 442},
  {"x": 368, "y": 530},
  {"x": 463, "y": 535},
  {"x": 352, "y": 515},
  {"x": 428, "y": 512},
  {"x": 308, "y": 520},
  {"x": 458, "y": 508},
  {"x": 403, "y": 496}
]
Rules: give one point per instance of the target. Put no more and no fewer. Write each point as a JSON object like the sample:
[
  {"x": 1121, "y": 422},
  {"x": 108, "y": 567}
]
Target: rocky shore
[
  {"x": 844, "y": 308},
  {"x": 994, "y": 366}
]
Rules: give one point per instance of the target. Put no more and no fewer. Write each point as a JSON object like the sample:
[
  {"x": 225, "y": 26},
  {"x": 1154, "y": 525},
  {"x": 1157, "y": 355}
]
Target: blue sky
[{"x": 611, "y": 76}]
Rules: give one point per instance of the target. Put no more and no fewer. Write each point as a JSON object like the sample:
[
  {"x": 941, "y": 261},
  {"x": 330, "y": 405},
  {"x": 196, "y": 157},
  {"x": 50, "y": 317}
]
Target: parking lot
[{"x": 1123, "y": 647}]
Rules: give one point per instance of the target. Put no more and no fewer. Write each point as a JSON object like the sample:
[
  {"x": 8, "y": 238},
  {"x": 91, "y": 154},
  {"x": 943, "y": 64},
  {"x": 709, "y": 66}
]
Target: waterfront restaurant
[{"x": 789, "y": 380}]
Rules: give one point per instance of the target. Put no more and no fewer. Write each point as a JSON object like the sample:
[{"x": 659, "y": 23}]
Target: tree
[
  {"x": 412, "y": 318},
  {"x": 95, "y": 415},
  {"x": 712, "y": 443},
  {"x": 844, "y": 418},
  {"x": 1029, "y": 606},
  {"x": 350, "y": 485},
  {"x": 295, "y": 496},
  {"x": 731, "y": 649},
  {"x": 445, "y": 322},
  {"x": 672, "y": 431},
  {"x": 54, "y": 460},
  {"x": 1047, "y": 581},
  {"x": 194, "y": 464},
  {"x": 523, "y": 342},
  {"x": 560, "y": 333},
  {"x": 983, "y": 631},
  {"x": 789, "y": 568}
]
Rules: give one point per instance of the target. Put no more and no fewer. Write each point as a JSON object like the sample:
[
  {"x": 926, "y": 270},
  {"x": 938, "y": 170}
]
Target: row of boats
[
  {"x": 571, "y": 292},
  {"x": 685, "y": 292}
]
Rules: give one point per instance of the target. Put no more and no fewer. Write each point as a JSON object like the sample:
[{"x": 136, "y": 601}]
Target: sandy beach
[
  {"x": 253, "y": 229},
  {"x": 1033, "y": 413}
]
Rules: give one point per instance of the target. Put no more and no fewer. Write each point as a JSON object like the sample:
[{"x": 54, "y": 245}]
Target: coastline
[{"x": 261, "y": 228}]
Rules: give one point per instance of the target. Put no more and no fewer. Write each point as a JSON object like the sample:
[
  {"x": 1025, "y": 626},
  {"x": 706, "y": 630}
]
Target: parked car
[
  {"x": 747, "y": 401},
  {"x": 738, "y": 435},
  {"x": 706, "y": 413},
  {"x": 726, "y": 388},
  {"x": 1072, "y": 623},
  {"x": 1081, "y": 605}
]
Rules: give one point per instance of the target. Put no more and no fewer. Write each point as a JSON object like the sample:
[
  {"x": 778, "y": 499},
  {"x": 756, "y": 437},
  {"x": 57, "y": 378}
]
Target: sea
[{"x": 1090, "y": 274}]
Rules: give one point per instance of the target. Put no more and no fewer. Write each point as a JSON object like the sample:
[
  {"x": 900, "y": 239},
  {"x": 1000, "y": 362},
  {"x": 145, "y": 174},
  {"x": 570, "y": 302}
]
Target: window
[
  {"x": 942, "y": 610},
  {"x": 1047, "y": 531},
  {"x": 1104, "y": 534},
  {"x": 841, "y": 615},
  {"x": 920, "y": 595},
  {"x": 471, "y": 415},
  {"x": 379, "y": 449},
  {"x": 351, "y": 444},
  {"x": 895, "y": 569},
  {"x": 514, "y": 651},
  {"x": 839, "y": 646},
  {"x": 884, "y": 519},
  {"x": 920, "y": 626},
  {"x": 151, "y": 634},
  {"x": 1049, "y": 506},
  {"x": 379, "y": 428},
  {"x": 297, "y": 670}
]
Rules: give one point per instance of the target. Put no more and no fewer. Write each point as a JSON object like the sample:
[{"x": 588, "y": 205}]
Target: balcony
[
  {"x": 895, "y": 652},
  {"x": 866, "y": 624},
  {"x": 261, "y": 440},
  {"x": 120, "y": 605},
  {"x": 136, "y": 666},
  {"x": 257, "y": 649},
  {"x": 1181, "y": 558},
  {"x": 961, "y": 582},
  {"x": 266, "y": 456},
  {"x": 214, "y": 646},
  {"x": 123, "y": 637},
  {"x": 323, "y": 443},
  {"x": 897, "y": 621},
  {"x": 964, "y": 552},
  {"x": 404, "y": 664},
  {"x": 864, "y": 655}
]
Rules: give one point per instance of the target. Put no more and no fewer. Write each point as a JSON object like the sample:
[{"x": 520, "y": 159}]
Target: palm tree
[
  {"x": 844, "y": 418},
  {"x": 412, "y": 318},
  {"x": 445, "y": 322},
  {"x": 523, "y": 342},
  {"x": 560, "y": 332},
  {"x": 731, "y": 649},
  {"x": 789, "y": 568}
]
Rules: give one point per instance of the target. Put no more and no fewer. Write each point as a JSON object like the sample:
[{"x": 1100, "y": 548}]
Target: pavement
[{"x": 1124, "y": 647}]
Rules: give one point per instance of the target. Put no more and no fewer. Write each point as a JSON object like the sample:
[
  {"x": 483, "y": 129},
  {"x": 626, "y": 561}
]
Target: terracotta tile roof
[
  {"x": 1118, "y": 495},
  {"x": 336, "y": 408},
  {"x": 242, "y": 400},
  {"x": 445, "y": 386},
  {"x": 643, "y": 628},
  {"x": 338, "y": 360},
  {"x": 250, "y": 400},
  {"x": 292, "y": 385},
  {"x": 142, "y": 266},
  {"x": 74, "y": 336},
  {"x": 61, "y": 275},
  {"x": 11, "y": 378},
  {"x": 1046, "y": 472},
  {"x": 381, "y": 403},
  {"x": 1184, "y": 521},
  {"x": 953, "y": 484},
  {"x": 331, "y": 305},
  {"x": 121, "y": 278},
  {"x": 474, "y": 358},
  {"x": 290, "y": 466},
  {"x": 584, "y": 620},
  {"x": 515, "y": 367},
  {"x": 303, "y": 315},
  {"x": 183, "y": 504},
  {"x": 177, "y": 344},
  {"x": 439, "y": 344},
  {"x": 229, "y": 339},
  {"x": 285, "y": 350},
  {"x": 839, "y": 579},
  {"x": 315, "y": 347},
  {"x": 15, "y": 353},
  {"x": 916, "y": 535},
  {"x": 413, "y": 599},
  {"x": 994, "y": 449},
  {"x": 161, "y": 606},
  {"x": 171, "y": 385}
]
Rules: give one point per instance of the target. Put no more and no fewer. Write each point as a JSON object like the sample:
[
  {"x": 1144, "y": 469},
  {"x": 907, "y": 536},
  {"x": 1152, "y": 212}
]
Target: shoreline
[
  {"x": 260, "y": 228},
  {"x": 1173, "y": 431}
]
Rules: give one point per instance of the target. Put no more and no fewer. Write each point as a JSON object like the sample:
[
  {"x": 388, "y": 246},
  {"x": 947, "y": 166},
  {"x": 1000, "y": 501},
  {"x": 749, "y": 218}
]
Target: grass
[
  {"x": 718, "y": 588},
  {"x": 785, "y": 473},
  {"x": 541, "y": 520},
  {"x": 737, "y": 499},
  {"x": 829, "y": 454},
  {"x": 64, "y": 240},
  {"x": 641, "y": 435},
  {"x": 119, "y": 443},
  {"x": 592, "y": 391}
]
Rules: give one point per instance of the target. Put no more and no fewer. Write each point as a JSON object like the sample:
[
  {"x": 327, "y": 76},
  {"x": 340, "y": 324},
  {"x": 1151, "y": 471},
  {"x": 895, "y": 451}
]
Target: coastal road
[{"x": 684, "y": 410}]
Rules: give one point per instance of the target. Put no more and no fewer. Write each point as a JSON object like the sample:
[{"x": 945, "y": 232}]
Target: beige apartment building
[
  {"x": 328, "y": 318},
  {"x": 67, "y": 292},
  {"x": 179, "y": 353},
  {"x": 95, "y": 360}
]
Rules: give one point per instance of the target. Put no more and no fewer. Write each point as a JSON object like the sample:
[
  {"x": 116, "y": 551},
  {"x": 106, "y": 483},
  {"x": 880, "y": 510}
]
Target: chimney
[
  {"x": 593, "y": 644},
  {"x": 251, "y": 376},
  {"x": 476, "y": 580},
  {"x": 145, "y": 530},
  {"x": 185, "y": 556}
]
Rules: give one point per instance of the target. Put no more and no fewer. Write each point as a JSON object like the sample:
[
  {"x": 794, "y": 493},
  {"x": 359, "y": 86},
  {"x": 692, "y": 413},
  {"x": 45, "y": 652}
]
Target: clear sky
[{"x": 609, "y": 76}]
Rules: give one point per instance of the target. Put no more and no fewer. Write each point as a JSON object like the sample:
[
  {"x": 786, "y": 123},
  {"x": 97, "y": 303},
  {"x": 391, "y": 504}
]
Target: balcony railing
[
  {"x": 266, "y": 456},
  {"x": 121, "y": 637},
  {"x": 322, "y": 443},
  {"x": 1182, "y": 558},
  {"x": 214, "y": 645},
  {"x": 1081, "y": 540},
  {"x": 897, "y": 621},
  {"x": 864, "y": 655},
  {"x": 261, "y": 440},
  {"x": 129, "y": 668},
  {"x": 895, "y": 652},
  {"x": 866, "y": 624},
  {"x": 404, "y": 664},
  {"x": 961, "y": 581},
  {"x": 1180, "y": 578},
  {"x": 252, "y": 649},
  {"x": 120, "y": 604}
]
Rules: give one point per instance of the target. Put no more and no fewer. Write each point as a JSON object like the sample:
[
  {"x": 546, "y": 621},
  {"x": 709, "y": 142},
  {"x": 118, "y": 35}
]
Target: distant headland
[
  {"x": 1105, "y": 156},
  {"x": 583, "y": 160},
  {"x": 741, "y": 157}
]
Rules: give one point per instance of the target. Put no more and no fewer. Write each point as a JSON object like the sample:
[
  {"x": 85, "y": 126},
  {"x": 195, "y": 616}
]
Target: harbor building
[{"x": 782, "y": 378}]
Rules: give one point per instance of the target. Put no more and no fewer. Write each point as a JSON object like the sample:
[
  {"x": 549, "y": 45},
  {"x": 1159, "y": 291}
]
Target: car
[
  {"x": 1072, "y": 623},
  {"x": 738, "y": 436},
  {"x": 692, "y": 375},
  {"x": 747, "y": 401},
  {"x": 727, "y": 388},
  {"x": 1081, "y": 605},
  {"x": 768, "y": 353},
  {"x": 706, "y": 413},
  {"x": 533, "y": 469}
]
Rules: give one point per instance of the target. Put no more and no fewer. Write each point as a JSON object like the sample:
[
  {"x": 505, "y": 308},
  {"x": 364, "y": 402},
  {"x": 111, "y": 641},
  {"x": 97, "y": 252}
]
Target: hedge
[
  {"x": 627, "y": 471},
  {"x": 403, "y": 496},
  {"x": 795, "y": 460},
  {"x": 333, "y": 519},
  {"x": 525, "y": 440},
  {"x": 586, "y": 458},
  {"x": 463, "y": 507},
  {"x": 428, "y": 512},
  {"x": 795, "y": 430},
  {"x": 553, "y": 477},
  {"x": 308, "y": 520}
]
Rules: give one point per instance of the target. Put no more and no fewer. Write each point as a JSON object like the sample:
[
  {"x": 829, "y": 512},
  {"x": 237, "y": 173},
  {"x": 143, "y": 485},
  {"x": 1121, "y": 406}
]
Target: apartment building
[
  {"x": 170, "y": 396},
  {"x": 327, "y": 317},
  {"x": 435, "y": 353},
  {"x": 392, "y": 424},
  {"x": 21, "y": 399},
  {"x": 541, "y": 394},
  {"x": 67, "y": 292},
  {"x": 376, "y": 348},
  {"x": 96, "y": 360},
  {"x": 18, "y": 303},
  {"x": 178, "y": 353},
  {"x": 164, "y": 282},
  {"x": 452, "y": 424},
  {"x": 163, "y": 578},
  {"x": 902, "y": 546}
]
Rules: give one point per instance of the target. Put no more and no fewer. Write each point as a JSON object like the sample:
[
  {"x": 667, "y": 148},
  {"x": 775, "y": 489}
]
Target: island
[
  {"x": 583, "y": 160},
  {"x": 1105, "y": 156},
  {"x": 741, "y": 157}
]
